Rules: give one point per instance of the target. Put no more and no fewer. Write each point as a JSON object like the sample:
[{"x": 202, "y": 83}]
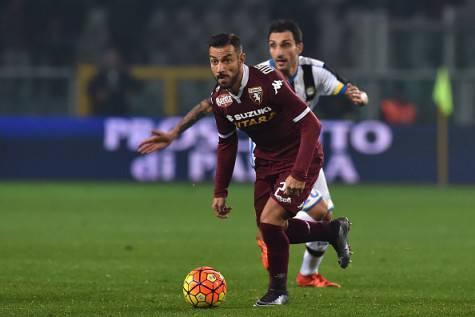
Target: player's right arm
[
  {"x": 333, "y": 85},
  {"x": 161, "y": 139},
  {"x": 221, "y": 210},
  {"x": 225, "y": 154},
  {"x": 225, "y": 159}
]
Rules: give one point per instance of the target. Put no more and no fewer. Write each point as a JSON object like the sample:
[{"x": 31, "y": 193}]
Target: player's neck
[
  {"x": 293, "y": 69},
  {"x": 237, "y": 85}
]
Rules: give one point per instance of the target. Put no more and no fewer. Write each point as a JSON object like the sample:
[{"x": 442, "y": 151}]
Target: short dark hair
[
  {"x": 284, "y": 25},
  {"x": 223, "y": 39}
]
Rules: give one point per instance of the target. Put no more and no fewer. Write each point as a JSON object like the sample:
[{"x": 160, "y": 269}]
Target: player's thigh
[
  {"x": 292, "y": 204},
  {"x": 322, "y": 187},
  {"x": 262, "y": 190},
  {"x": 319, "y": 211},
  {"x": 273, "y": 213},
  {"x": 314, "y": 198}
]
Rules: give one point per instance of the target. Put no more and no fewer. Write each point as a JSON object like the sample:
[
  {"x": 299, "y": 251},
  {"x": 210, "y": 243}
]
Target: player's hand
[
  {"x": 158, "y": 141},
  {"x": 355, "y": 95},
  {"x": 219, "y": 207},
  {"x": 293, "y": 187}
]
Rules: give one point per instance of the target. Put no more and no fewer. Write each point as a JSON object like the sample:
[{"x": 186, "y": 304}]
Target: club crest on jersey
[
  {"x": 256, "y": 94},
  {"x": 310, "y": 91},
  {"x": 224, "y": 100}
]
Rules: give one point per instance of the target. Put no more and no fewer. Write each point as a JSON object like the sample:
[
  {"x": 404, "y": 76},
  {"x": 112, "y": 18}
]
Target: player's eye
[{"x": 214, "y": 62}]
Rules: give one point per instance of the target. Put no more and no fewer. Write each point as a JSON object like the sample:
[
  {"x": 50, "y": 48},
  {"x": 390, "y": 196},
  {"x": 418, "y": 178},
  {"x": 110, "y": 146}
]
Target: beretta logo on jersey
[
  {"x": 224, "y": 100},
  {"x": 256, "y": 94}
]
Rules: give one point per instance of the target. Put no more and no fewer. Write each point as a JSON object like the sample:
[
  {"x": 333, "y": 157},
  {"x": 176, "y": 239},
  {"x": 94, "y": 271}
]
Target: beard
[{"x": 227, "y": 81}]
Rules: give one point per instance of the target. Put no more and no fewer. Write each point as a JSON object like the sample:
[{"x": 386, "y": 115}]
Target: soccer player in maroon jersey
[
  {"x": 259, "y": 101},
  {"x": 285, "y": 41}
]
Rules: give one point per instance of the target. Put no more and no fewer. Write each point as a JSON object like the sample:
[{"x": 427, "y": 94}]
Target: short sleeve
[{"x": 327, "y": 82}]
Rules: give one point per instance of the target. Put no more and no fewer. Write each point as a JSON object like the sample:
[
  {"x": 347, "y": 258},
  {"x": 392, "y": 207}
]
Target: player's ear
[
  {"x": 299, "y": 47},
  {"x": 242, "y": 57}
]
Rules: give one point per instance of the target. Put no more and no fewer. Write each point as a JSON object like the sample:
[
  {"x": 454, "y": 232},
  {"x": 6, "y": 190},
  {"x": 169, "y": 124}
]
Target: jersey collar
[
  {"x": 244, "y": 80},
  {"x": 292, "y": 78}
]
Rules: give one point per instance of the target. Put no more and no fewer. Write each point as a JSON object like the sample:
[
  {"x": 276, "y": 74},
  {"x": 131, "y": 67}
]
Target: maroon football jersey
[
  {"x": 272, "y": 115},
  {"x": 266, "y": 109}
]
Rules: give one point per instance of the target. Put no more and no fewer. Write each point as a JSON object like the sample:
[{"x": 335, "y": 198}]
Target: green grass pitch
[{"x": 123, "y": 249}]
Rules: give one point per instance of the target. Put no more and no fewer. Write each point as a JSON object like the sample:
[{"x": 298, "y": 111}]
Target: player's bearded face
[
  {"x": 226, "y": 65},
  {"x": 285, "y": 51}
]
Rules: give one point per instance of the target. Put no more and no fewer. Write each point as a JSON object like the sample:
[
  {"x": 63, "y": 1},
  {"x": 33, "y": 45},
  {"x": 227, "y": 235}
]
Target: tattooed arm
[
  {"x": 195, "y": 114},
  {"x": 160, "y": 139}
]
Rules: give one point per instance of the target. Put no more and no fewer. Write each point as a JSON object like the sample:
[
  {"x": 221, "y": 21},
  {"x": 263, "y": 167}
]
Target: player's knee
[
  {"x": 317, "y": 248},
  {"x": 273, "y": 217},
  {"x": 315, "y": 253},
  {"x": 320, "y": 211},
  {"x": 258, "y": 221}
]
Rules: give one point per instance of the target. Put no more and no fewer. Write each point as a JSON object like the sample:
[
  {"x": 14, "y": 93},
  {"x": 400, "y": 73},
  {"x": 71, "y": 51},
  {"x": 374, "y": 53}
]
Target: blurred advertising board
[{"x": 105, "y": 149}]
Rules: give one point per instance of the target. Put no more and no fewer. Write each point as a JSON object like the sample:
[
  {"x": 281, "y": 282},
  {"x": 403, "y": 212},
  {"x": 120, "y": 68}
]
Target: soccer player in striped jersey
[{"x": 310, "y": 78}]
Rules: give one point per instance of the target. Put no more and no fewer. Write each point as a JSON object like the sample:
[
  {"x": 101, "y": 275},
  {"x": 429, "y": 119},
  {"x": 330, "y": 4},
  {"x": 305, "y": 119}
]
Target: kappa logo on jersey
[
  {"x": 277, "y": 84},
  {"x": 224, "y": 100},
  {"x": 256, "y": 94}
]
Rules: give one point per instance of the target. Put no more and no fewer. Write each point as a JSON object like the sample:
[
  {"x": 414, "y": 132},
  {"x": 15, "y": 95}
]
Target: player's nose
[
  {"x": 220, "y": 68},
  {"x": 279, "y": 51}
]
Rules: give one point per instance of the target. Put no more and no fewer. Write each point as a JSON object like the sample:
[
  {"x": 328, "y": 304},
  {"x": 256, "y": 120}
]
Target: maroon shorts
[{"x": 270, "y": 180}]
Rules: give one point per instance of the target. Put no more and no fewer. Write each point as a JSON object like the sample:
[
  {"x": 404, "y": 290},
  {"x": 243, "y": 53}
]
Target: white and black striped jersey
[{"x": 325, "y": 81}]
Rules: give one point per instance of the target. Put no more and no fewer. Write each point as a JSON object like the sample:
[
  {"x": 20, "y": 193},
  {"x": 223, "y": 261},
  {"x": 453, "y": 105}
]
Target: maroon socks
[
  {"x": 300, "y": 231},
  {"x": 277, "y": 253},
  {"x": 277, "y": 241}
]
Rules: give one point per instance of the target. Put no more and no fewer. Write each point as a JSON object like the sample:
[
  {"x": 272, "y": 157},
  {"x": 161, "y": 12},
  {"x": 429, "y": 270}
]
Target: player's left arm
[
  {"x": 309, "y": 128},
  {"x": 334, "y": 85},
  {"x": 355, "y": 95}
]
